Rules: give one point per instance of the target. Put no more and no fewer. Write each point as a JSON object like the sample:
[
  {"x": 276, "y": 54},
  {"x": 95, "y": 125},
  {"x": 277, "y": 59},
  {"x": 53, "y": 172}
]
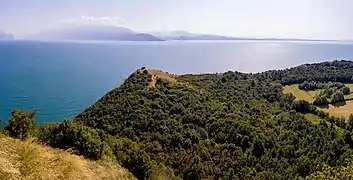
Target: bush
[
  {"x": 346, "y": 90},
  {"x": 337, "y": 97},
  {"x": 320, "y": 100},
  {"x": 22, "y": 124},
  {"x": 68, "y": 134}
]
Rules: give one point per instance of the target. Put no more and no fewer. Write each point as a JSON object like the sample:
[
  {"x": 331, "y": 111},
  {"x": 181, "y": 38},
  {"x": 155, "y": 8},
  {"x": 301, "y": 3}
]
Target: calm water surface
[{"x": 63, "y": 78}]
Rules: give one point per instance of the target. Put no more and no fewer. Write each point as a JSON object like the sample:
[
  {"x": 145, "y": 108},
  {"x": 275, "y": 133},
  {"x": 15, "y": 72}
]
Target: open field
[
  {"x": 300, "y": 94},
  {"x": 339, "y": 110},
  {"x": 344, "y": 109},
  {"x": 309, "y": 95}
]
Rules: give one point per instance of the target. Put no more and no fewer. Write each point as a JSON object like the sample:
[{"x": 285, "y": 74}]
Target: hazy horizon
[{"x": 302, "y": 19}]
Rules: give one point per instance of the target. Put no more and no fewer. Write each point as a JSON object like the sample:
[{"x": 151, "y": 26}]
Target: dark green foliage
[
  {"x": 337, "y": 97},
  {"x": 309, "y": 86},
  {"x": 346, "y": 90},
  {"x": 350, "y": 123},
  {"x": 21, "y": 124},
  {"x": 68, "y": 134},
  {"x": 334, "y": 71},
  {"x": 303, "y": 106},
  {"x": 320, "y": 100},
  {"x": 211, "y": 126}
]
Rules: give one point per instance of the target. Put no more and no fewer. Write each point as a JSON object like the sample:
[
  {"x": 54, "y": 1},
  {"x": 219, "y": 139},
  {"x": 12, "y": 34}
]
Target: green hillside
[{"x": 213, "y": 126}]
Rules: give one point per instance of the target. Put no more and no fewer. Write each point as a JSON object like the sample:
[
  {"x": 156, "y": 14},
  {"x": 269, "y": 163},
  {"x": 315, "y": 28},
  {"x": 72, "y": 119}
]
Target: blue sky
[{"x": 316, "y": 19}]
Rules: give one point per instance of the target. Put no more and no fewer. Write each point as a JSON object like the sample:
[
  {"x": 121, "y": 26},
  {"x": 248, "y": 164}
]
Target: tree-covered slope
[
  {"x": 336, "y": 71},
  {"x": 210, "y": 126}
]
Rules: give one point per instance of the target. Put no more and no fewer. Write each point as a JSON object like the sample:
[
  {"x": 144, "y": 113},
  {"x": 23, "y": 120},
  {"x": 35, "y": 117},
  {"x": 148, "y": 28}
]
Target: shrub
[
  {"x": 337, "y": 97},
  {"x": 320, "y": 100},
  {"x": 21, "y": 124}
]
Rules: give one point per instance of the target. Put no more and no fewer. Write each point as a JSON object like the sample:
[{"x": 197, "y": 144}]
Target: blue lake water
[{"x": 63, "y": 78}]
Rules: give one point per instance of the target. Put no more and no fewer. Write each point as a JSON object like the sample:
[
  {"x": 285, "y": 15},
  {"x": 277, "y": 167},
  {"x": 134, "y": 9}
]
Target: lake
[{"x": 63, "y": 78}]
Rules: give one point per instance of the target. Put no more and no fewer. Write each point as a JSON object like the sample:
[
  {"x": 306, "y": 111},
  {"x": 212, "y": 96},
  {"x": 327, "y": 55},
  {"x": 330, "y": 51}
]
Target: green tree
[
  {"x": 350, "y": 122},
  {"x": 337, "y": 97},
  {"x": 320, "y": 100},
  {"x": 22, "y": 124},
  {"x": 346, "y": 90}
]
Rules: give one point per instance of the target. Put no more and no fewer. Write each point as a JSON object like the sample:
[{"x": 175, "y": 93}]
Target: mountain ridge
[
  {"x": 6, "y": 36},
  {"x": 112, "y": 33}
]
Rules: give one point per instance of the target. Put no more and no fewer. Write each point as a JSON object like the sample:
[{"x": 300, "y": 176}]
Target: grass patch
[
  {"x": 313, "y": 118},
  {"x": 28, "y": 160},
  {"x": 300, "y": 94},
  {"x": 340, "y": 109},
  {"x": 309, "y": 95}
]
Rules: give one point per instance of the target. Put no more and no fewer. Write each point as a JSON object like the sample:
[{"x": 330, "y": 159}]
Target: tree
[
  {"x": 21, "y": 124},
  {"x": 301, "y": 106},
  {"x": 346, "y": 90},
  {"x": 245, "y": 143},
  {"x": 320, "y": 100},
  {"x": 350, "y": 122},
  {"x": 337, "y": 97}
]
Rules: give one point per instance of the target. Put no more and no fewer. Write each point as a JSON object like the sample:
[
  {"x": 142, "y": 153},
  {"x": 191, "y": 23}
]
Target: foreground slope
[
  {"x": 28, "y": 160},
  {"x": 209, "y": 126}
]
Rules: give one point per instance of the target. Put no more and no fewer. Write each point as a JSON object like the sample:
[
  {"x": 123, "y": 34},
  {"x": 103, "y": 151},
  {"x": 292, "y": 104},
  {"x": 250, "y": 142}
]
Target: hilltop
[
  {"x": 228, "y": 125},
  {"x": 156, "y": 75}
]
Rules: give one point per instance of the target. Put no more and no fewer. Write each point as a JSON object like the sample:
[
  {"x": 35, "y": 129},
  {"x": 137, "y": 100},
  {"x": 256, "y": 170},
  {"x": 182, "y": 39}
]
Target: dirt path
[{"x": 153, "y": 81}]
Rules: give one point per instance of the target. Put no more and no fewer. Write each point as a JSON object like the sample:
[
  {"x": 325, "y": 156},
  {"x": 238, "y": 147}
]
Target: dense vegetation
[{"x": 210, "y": 126}]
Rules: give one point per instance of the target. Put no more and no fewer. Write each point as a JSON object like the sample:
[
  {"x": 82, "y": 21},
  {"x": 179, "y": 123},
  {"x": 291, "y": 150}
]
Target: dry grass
[
  {"x": 309, "y": 95},
  {"x": 344, "y": 109},
  {"x": 157, "y": 74},
  {"x": 27, "y": 160},
  {"x": 160, "y": 74},
  {"x": 300, "y": 94}
]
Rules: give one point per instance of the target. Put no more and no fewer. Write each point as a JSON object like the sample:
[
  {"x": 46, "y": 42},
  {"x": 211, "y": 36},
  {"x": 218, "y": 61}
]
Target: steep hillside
[
  {"x": 209, "y": 126},
  {"x": 28, "y": 160}
]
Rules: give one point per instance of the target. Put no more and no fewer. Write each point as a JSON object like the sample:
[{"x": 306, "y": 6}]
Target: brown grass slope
[
  {"x": 27, "y": 160},
  {"x": 157, "y": 74}
]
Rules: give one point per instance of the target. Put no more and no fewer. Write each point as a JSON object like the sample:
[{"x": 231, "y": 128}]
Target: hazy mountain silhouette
[
  {"x": 113, "y": 33},
  {"x": 184, "y": 35},
  {"x": 5, "y": 36}
]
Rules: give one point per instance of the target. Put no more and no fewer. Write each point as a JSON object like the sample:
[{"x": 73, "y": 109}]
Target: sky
[{"x": 312, "y": 19}]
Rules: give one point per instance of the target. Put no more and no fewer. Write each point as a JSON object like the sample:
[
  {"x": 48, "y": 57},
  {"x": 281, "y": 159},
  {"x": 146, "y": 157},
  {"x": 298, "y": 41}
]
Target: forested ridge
[{"x": 212, "y": 126}]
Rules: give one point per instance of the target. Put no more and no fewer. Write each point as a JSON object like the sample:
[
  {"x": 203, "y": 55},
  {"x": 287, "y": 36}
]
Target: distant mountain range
[
  {"x": 114, "y": 33},
  {"x": 111, "y": 33},
  {"x": 5, "y": 36},
  {"x": 184, "y": 36}
]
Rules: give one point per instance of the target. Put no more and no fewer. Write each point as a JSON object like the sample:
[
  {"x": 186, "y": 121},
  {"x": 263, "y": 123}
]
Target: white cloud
[{"x": 100, "y": 20}]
